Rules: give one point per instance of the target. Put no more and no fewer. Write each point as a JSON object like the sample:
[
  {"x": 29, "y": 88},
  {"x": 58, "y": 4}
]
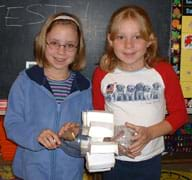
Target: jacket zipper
[{"x": 53, "y": 154}]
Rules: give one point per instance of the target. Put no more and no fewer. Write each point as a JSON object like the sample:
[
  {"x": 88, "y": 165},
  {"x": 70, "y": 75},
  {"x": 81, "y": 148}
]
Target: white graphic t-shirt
[{"x": 138, "y": 98}]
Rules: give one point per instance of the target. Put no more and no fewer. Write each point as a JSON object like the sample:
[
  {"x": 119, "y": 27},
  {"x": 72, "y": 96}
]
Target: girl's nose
[
  {"x": 128, "y": 43},
  {"x": 62, "y": 49}
]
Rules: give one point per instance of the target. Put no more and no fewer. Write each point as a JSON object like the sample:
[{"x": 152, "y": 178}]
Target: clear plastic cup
[{"x": 122, "y": 135}]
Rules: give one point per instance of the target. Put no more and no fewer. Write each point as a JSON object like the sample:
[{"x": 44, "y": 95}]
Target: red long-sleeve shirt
[{"x": 175, "y": 105}]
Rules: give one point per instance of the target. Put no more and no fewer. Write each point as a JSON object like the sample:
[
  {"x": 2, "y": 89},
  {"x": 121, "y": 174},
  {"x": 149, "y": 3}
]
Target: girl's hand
[
  {"x": 69, "y": 131},
  {"x": 49, "y": 139},
  {"x": 141, "y": 137}
]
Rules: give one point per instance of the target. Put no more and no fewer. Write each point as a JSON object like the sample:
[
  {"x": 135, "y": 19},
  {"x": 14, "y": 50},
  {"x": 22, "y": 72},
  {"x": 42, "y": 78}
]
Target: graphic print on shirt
[{"x": 131, "y": 92}]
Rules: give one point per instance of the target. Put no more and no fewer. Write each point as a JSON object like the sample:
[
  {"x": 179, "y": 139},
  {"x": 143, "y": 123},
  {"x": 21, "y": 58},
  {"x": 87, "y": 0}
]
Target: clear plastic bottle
[{"x": 75, "y": 143}]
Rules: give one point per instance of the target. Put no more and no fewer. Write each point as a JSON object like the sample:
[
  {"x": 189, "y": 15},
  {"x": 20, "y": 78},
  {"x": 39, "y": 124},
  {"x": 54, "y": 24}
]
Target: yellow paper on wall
[
  {"x": 186, "y": 57},
  {"x": 187, "y": 89},
  {"x": 186, "y": 24},
  {"x": 186, "y": 73}
]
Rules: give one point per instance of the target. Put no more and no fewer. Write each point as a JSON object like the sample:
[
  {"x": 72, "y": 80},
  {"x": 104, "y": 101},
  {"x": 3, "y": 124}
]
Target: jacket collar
[{"x": 36, "y": 74}]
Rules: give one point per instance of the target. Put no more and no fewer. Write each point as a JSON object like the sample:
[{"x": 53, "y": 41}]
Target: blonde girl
[{"x": 138, "y": 87}]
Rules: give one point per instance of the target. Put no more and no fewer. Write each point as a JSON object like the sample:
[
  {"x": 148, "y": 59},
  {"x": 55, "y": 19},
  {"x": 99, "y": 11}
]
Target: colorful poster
[{"x": 181, "y": 46}]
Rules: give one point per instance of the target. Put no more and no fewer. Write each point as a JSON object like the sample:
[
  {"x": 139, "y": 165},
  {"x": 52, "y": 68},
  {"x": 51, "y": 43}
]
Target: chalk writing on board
[
  {"x": 12, "y": 17},
  {"x": 31, "y": 15},
  {"x": 32, "y": 11}
]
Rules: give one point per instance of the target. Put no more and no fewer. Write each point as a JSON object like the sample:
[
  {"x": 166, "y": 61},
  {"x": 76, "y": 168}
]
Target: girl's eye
[
  {"x": 120, "y": 37},
  {"x": 137, "y": 37},
  {"x": 54, "y": 43},
  {"x": 70, "y": 45}
]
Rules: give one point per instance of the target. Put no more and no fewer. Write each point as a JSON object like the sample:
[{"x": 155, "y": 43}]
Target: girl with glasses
[{"x": 47, "y": 99}]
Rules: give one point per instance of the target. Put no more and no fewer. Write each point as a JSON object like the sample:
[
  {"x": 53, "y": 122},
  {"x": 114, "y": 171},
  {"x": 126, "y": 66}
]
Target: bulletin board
[
  {"x": 180, "y": 142},
  {"x": 181, "y": 50}
]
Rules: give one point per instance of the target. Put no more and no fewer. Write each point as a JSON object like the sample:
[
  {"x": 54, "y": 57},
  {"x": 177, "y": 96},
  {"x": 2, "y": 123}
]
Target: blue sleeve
[{"x": 18, "y": 129}]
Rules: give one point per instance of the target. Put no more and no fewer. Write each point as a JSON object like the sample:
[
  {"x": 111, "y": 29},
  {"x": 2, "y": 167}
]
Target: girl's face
[
  {"x": 61, "y": 48},
  {"x": 129, "y": 46}
]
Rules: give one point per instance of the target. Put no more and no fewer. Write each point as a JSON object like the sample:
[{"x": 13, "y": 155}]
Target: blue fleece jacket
[{"x": 33, "y": 108}]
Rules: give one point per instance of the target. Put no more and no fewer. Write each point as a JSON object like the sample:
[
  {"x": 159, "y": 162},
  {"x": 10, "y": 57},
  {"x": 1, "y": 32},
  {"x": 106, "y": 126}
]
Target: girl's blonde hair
[
  {"x": 40, "y": 40},
  {"x": 109, "y": 61}
]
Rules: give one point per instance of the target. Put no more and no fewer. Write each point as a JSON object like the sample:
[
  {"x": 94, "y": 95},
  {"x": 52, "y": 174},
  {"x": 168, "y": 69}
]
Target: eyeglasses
[{"x": 55, "y": 45}]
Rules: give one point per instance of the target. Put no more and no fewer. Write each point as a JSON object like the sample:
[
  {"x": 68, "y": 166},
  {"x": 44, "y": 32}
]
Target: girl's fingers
[
  {"x": 69, "y": 127},
  {"x": 49, "y": 139},
  {"x": 131, "y": 126}
]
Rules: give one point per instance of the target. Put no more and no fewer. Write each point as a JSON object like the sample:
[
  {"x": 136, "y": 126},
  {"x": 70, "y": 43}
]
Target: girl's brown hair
[
  {"x": 40, "y": 40},
  {"x": 109, "y": 61}
]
